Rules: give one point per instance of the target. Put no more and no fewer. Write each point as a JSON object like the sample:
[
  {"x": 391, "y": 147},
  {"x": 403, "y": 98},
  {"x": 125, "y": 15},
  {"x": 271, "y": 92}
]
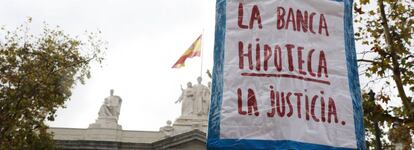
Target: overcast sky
[{"x": 144, "y": 37}]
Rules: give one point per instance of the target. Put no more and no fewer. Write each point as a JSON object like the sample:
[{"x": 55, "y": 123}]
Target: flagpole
[{"x": 201, "y": 64}]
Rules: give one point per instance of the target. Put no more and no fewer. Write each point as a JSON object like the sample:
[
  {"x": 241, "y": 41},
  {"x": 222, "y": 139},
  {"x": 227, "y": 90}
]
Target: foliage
[
  {"x": 386, "y": 29},
  {"x": 37, "y": 73}
]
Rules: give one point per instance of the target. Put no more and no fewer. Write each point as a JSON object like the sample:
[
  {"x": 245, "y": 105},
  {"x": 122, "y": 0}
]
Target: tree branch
[
  {"x": 395, "y": 64},
  {"x": 409, "y": 56},
  {"x": 365, "y": 60}
]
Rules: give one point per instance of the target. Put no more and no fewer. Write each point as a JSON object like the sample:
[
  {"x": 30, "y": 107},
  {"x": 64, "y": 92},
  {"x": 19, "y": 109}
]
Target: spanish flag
[{"x": 192, "y": 51}]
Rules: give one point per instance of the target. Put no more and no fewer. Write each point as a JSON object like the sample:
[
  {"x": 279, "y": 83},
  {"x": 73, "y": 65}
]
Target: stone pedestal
[
  {"x": 104, "y": 134},
  {"x": 188, "y": 123},
  {"x": 109, "y": 122}
]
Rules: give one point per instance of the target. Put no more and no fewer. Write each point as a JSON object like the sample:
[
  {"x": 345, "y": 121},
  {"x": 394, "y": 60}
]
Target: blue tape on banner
[{"x": 353, "y": 78}]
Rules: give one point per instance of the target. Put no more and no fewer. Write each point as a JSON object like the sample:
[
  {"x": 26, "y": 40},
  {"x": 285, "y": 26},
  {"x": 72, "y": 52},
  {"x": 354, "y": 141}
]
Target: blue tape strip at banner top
[{"x": 215, "y": 143}]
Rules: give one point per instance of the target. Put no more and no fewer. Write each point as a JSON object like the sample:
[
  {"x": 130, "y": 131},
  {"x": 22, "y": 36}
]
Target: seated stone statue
[
  {"x": 109, "y": 113},
  {"x": 111, "y": 106}
]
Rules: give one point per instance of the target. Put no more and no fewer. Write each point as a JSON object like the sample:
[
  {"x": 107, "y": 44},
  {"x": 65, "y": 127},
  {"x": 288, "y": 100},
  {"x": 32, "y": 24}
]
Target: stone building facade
[
  {"x": 188, "y": 132},
  {"x": 107, "y": 139}
]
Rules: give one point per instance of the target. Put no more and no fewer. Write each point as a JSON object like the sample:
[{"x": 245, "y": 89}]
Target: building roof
[{"x": 72, "y": 138}]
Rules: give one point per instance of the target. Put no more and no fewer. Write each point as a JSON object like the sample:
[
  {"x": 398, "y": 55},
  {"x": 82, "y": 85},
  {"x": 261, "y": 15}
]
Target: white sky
[{"x": 145, "y": 38}]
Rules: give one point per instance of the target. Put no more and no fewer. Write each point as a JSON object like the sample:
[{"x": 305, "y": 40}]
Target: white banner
[{"x": 284, "y": 75}]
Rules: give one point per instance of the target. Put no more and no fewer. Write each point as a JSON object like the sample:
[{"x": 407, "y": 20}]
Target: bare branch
[{"x": 366, "y": 60}]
